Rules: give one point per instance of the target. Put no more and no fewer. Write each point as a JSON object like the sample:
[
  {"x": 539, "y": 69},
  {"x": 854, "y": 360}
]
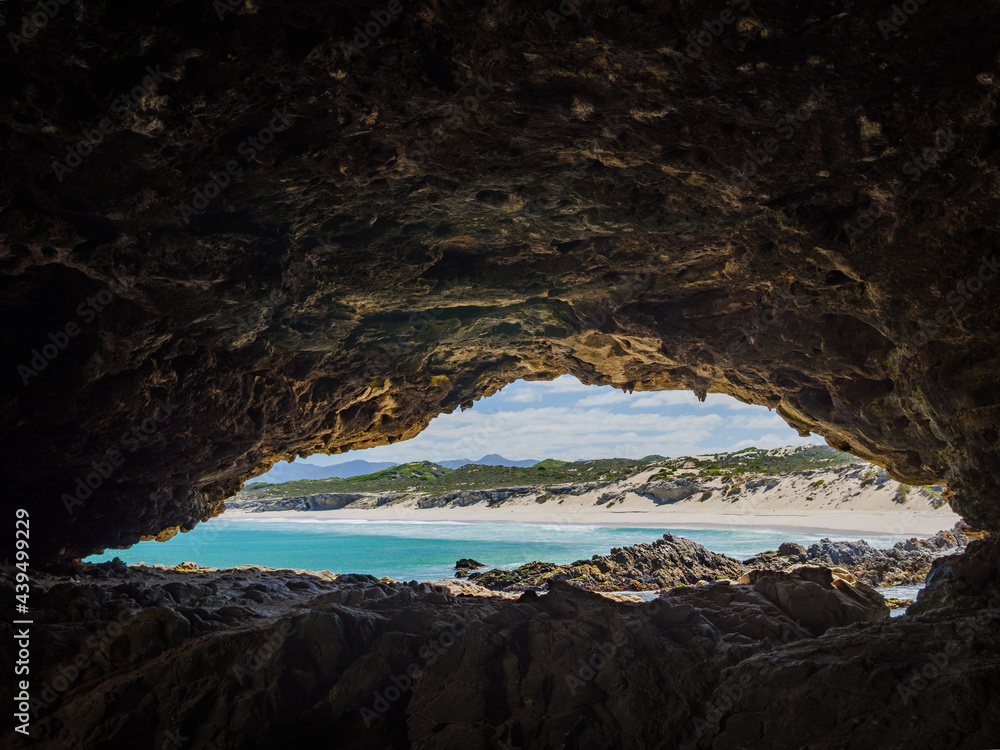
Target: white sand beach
[{"x": 833, "y": 508}]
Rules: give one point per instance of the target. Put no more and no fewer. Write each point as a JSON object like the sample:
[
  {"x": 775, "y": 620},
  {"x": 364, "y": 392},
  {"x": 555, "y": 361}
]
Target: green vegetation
[
  {"x": 817, "y": 483},
  {"x": 427, "y": 477},
  {"x": 549, "y": 463},
  {"x": 902, "y": 494},
  {"x": 424, "y": 476},
  {"x": 758, "y": 461}
]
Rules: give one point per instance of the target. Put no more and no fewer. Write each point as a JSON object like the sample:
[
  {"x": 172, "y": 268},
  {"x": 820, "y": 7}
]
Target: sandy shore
[
  {"x": 820, "y": 522},
  {"x": 823, "y": 502}
]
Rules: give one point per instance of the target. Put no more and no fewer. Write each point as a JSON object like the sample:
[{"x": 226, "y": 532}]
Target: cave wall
[{"x": 246, "y": 232}]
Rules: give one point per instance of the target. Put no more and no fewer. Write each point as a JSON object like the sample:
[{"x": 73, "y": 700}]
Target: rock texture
[
  {"x": 257, "y": 658},
  {"x": 483, "y": 194},
  {"x": 819, "y": 598},
  {"x": 667, "y": 562},
  {"x": 241, "y": 658},
  {"x": 906, "y": 562}
]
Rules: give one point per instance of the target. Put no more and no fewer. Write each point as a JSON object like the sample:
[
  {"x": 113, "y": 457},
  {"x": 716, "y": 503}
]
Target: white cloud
[
  {"x": 665, "y": 398},
  {"x": 525, "y": 397},
  {"x": 565, "y": 419},
  {"x": 562, "y": 384},
  {"x": 765, "y": 421},
  {"x": 605, "y": 399},
  {"x": 772, "y": 440}
]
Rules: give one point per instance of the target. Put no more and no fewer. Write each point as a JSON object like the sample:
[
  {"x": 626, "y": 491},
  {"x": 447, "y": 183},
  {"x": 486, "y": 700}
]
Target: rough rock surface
[
  {"x": 819, "y": 598},
  {"x": 477, "y": 196},
  {"x": 257, "y": 658},
  {"x": 928, "y": 679},
  {"x": 239, "y": 658},
  {"x": 906, "y": 562},
  {"x": 665, "y": 563}
]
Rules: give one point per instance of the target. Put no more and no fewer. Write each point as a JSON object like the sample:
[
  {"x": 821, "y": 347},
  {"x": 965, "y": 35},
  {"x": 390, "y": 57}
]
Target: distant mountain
[
  {"x": 493, "y": 459},
  {"x": 290, "y": 472}
]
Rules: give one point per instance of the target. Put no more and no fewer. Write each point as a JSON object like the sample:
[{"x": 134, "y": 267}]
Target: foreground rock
[
  {"x": 667, "y": 562},
  {"x": 819, "y": 598},
  {"x": 239, "y": 658},
  {"x": 930, "y": 679},
  {"x": 906, "y": 562},
  {"x": 255, "y": 658}
]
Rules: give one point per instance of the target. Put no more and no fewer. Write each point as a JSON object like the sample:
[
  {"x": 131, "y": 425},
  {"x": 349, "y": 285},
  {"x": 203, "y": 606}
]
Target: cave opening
[
  {"x": 556, "y": 471},
  {"x": 232, "y": 233}
]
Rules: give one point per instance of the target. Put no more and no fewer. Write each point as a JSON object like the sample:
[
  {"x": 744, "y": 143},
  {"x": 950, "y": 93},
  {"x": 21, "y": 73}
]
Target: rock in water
[
  {"x": 667, "y": 562},
  {"x": 905, "y": 563}
]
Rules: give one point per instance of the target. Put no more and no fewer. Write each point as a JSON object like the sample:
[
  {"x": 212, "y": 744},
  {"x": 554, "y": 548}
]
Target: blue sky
[{"x": 568, "y": 420}]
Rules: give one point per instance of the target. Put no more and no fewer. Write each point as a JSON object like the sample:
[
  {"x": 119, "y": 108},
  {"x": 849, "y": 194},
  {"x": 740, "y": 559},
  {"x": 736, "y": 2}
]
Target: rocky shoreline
[
  {"x": 252, "y": 658},
  {"x": 675, "y": 561}
]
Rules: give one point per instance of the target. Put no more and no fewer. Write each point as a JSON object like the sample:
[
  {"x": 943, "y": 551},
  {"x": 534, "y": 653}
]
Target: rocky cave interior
[{"x": 478, "y": 195}]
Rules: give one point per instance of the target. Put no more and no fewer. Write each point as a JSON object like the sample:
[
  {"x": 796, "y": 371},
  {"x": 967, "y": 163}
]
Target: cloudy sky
[{"x": 568, "y": 420}]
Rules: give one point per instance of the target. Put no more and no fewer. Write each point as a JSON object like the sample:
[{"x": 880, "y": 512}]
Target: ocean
[{"x": 424, "y": 550}]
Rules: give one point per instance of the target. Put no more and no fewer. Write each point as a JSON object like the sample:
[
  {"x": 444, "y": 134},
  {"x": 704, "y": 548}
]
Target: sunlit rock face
[{"x": 235, "y": 237}]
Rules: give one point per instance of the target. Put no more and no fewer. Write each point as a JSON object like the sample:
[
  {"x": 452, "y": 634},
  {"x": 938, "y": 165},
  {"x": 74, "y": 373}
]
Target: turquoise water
[{"x": 422, "y": 550}]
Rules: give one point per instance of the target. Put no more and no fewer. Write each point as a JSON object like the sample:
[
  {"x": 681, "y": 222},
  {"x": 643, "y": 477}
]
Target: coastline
[{"x": 814, "y": 522}]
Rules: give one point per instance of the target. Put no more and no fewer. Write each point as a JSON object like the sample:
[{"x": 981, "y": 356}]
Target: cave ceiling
[{"x": 237, "y": 233}]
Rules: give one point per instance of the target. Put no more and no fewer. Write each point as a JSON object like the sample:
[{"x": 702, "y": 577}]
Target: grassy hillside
[{"x": 424, "y": 476}]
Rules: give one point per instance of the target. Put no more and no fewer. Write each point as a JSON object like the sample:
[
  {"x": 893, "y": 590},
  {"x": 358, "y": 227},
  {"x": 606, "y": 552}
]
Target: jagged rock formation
[
  {"x": 234, "y": 240},
  {"x": 906, "y": 563},
  {"x": 676, "y": 561},
  {"x": 931, "y": 678},
  {"x": 667, "y": 562},
  {"x": 250, "y": 658},
  {"x": 819, "y": 598}
]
